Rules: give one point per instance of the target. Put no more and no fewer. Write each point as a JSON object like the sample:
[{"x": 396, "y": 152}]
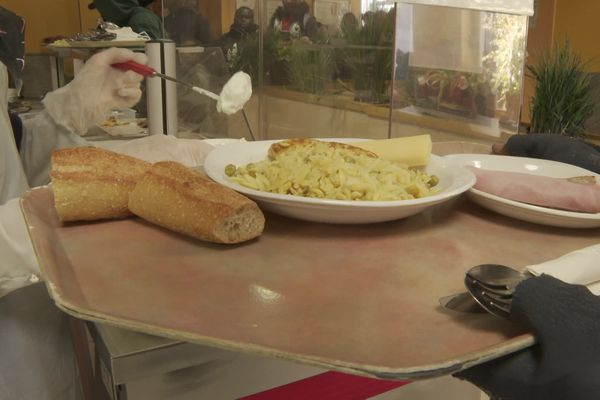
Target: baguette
[
  {"x": 90, "y": 183},
  {"x": 180, "y": 199}
]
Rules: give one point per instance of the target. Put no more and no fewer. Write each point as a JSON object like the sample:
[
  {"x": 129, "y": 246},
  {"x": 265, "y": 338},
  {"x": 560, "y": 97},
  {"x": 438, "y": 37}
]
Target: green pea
[
  {"x": 433, "y": 180},
  {"x": 230, "y": 169}
]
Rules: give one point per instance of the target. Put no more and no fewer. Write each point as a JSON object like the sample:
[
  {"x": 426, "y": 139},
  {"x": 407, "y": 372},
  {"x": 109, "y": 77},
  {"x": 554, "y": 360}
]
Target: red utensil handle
[{"x": 141, "y": 69}]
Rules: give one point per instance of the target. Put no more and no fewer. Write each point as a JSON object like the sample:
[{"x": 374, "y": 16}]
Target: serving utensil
[{"x": 150, "y": 72}]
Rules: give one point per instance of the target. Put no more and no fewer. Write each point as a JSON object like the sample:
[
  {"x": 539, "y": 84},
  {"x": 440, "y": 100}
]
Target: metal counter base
[{"x": 136, "y": 366}]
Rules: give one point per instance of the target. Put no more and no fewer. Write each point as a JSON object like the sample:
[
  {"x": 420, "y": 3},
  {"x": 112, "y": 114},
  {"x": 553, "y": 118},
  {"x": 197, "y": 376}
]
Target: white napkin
[
  {"x": 578, "y": 267},
  {"x": 126, "y": 33}
]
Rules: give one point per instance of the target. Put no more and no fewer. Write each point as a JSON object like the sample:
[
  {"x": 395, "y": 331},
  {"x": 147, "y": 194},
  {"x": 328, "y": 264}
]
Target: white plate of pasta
[{"x": 451, "y": 181}]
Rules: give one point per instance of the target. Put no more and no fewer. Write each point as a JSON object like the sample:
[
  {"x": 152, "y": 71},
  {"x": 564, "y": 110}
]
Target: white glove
[{"x": 97, "y": 88}]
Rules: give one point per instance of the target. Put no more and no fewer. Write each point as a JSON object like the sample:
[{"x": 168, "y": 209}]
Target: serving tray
[{"x": 355, "y": 298}]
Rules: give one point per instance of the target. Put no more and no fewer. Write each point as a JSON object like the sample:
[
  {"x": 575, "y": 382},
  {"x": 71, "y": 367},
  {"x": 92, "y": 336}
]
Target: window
[{"x": 374, "y": 5}]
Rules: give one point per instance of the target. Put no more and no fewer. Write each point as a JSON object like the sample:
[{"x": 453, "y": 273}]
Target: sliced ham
[{"x": 539, "y": 190}]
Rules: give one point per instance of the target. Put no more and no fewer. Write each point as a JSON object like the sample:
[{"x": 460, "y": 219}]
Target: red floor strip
[{"x": 329, "y": 386}]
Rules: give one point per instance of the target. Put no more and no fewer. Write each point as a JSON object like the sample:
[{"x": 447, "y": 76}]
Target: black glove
[
  {"x": 555, "y": 147},
  {"x": 565, "y": 363}
]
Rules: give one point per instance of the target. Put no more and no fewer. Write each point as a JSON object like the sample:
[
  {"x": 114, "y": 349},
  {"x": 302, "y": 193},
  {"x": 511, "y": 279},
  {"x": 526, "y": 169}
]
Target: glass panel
[
  {"x": 184, "y": 23},
  {"x": 327, "y": 69},
  {"x": 459, "y": 65},
  {"x": 201, "y": 61}
]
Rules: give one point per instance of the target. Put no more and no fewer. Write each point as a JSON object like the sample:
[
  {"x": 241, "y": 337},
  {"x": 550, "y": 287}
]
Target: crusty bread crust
[
  {"x": 91, "y": 183},
  {"x": 279, "y": 148},
  {"x": 178, "y": 198}
]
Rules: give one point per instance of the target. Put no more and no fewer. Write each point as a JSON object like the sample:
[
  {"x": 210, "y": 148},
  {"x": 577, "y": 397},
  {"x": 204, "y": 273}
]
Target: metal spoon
[{"x": 496, "y": 276}]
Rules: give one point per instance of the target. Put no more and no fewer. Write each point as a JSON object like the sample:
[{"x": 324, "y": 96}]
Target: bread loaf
[
  {"x": 178, "y": 198},
  {"x": 91, "y": 183}
]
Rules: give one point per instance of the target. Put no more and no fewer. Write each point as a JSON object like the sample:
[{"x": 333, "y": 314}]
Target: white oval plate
[
  {"x": 454, "y": 180},
  {"x": 524, "y": 211}
]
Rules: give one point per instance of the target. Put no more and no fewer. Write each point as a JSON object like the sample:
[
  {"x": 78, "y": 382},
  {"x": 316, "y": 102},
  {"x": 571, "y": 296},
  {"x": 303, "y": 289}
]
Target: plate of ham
[{"x": 534, "y": 190}]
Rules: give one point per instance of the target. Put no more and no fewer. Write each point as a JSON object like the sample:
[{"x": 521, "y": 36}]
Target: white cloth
[
  {"x": 578, "y": 267},
  {"x": 189, "y": 152},
  {"x": 37, "y": 360},
  {"x": 19, "y": 267},
  {"x": 12, "y": 178},
  {"x": 41, "y": 135}
]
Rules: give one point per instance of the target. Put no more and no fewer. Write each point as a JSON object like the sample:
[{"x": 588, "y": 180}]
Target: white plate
[
  {"x": 126, "y": 128},
  {"x": 454, "y": 180},
  {"x": 524, "y": 211}
]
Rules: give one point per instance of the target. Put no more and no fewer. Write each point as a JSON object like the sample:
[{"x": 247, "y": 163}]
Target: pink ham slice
[{"x": 539, "y": 190}]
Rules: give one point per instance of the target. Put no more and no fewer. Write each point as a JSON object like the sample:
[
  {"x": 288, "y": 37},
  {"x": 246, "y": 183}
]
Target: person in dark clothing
[
  {"x": 553, "y": 147},
  {"x": 131, "y": 13},
  {"x": 185, "y": 23},
  {"x": 293, "y": 18},
  {"x": 243, "y": 25},
  {"x": 349, "y": 24}
]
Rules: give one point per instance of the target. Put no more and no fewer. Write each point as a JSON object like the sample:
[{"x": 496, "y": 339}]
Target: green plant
[
  {"x": 369, "y": 56},
  {"x": 563, "y": 98},
  {"x": 310, "y": 67}
]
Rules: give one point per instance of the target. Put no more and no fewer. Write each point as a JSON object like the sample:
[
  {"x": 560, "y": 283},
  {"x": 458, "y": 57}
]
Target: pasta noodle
[{"x": 323, "y": 170}]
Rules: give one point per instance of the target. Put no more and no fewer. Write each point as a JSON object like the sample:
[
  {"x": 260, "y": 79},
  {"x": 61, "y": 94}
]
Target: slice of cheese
[{"x": 414, "y": 151}]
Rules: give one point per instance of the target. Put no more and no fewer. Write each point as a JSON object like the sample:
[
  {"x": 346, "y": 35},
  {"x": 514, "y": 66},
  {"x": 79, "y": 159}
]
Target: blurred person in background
[
  {"x": 131, "y": 13},
  {"x": 184, "y": 22},
  {"x": 243, "y": 25},
  {"x": 293, "y": 18},
  {"x": 348, "y": 24}
]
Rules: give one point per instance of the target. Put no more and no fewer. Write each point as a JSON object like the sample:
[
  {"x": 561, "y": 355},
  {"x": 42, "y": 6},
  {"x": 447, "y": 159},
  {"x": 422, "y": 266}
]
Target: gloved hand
[
  {"x": 565, "y": 363},
  {"x": 553, "y": 147},
  {"x": 97, "y": 88}
]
